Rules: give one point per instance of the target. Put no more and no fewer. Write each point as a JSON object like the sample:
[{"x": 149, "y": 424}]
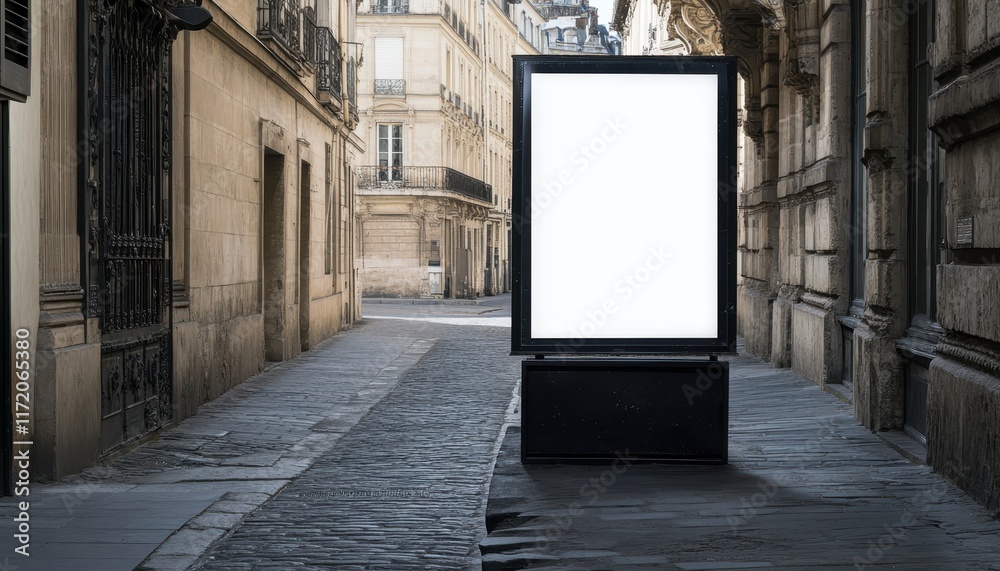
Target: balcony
[
  {"x": 328, "y": 76},
  {"x": 440, "y": 178},
  {"x": 390, "y": 7},
  {"x": 389, "y": 87},
  {"x": 280, "y": 21}
]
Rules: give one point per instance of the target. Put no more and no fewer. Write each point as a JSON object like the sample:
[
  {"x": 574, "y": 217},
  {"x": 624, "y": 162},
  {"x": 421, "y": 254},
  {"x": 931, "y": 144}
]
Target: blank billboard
[{"x": 624, "y": 205}]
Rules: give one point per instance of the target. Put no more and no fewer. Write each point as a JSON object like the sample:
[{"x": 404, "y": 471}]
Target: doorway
[{"x": 273, "y": 255}]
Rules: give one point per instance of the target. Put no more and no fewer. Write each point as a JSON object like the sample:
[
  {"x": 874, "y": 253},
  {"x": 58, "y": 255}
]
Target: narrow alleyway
[
  {"x": 375, "y": 450},
  {"x": 298, "y": 462}
]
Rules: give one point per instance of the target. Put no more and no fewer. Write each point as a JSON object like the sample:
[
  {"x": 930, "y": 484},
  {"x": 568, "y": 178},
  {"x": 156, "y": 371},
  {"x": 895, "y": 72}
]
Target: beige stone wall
[
  {"x": 236, "y": 101},
  {"x": 237, "y": 116}
]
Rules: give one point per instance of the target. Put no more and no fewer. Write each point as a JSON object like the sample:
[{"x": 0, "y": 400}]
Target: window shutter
[
  {"x": 388, "y": 58},
  {"x": 15, "y": 52}
]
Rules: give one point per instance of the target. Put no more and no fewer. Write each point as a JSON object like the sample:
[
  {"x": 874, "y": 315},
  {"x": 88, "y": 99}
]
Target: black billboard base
[{"x": 597, "y": 411}]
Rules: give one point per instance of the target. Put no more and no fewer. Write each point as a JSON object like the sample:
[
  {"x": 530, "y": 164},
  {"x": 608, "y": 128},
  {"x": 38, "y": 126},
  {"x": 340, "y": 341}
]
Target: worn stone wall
[
  {"x": 796, "y": 234},
  {"x": 964, "y": 393}
]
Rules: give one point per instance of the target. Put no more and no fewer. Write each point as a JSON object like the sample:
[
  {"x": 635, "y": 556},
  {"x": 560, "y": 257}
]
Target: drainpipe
[{"x": 342, "y": 15}]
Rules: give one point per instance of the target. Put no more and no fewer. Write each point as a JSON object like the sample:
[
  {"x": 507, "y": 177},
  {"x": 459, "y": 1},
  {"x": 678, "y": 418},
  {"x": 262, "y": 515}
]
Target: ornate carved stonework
[
  {"x": 753, "y": 124},
  {"x": 694, "y": 23}
]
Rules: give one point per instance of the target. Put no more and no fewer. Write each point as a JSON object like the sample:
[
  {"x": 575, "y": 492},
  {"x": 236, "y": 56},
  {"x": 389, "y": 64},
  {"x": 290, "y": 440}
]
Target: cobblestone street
[{"x": 402, "y": 489}]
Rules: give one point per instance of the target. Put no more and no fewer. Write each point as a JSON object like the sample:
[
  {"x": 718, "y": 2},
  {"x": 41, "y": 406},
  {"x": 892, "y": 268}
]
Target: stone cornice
[{"x": 967, "y": 107}]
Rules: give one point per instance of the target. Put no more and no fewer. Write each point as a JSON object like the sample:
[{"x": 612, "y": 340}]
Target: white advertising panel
[
  {"x": 624, "y": 210},
  {"x": 624, "y": 205}
]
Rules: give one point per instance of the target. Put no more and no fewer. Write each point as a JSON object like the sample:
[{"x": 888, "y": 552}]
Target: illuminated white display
[{"x": 624, "y": 206}]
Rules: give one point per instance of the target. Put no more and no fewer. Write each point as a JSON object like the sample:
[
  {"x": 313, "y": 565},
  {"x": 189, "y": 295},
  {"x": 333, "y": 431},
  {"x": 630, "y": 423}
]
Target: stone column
[{"x": 878, "y": 401}]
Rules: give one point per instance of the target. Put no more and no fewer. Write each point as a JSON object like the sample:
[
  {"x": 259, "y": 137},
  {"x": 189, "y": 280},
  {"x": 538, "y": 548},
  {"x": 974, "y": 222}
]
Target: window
[
  {"x": 330, "y": 213},
  {"x": 925, "y": 196},
  {"x": 859, "y": 188},
  {"x": 388, "y": 66},
  {"x": 925, "y": 226},
  {"x": 391, "y": 7},
  {"x": 15, "y": 53},
  {"x": 390, "y": 152}
]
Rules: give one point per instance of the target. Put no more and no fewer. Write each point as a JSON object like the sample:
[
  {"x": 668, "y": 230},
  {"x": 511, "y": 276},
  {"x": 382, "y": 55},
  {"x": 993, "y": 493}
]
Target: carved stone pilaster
[{"x": 802, "y": 66}]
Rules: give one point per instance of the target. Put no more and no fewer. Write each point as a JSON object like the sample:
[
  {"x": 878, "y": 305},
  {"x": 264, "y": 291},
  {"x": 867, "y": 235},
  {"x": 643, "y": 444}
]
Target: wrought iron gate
[{"x": 125, "y": 114}]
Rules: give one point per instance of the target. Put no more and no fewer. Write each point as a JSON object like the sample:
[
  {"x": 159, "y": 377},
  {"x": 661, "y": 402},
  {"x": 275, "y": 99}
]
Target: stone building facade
[
  {"x": 195, "y": 200},
  {"x": 869, "y": 246},
  {"x": 435, "y": 114},
  {"x": 20, "y": 169}
]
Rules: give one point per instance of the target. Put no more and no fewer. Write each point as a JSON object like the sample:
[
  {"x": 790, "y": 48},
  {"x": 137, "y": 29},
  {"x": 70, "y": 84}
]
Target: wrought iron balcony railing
[
  {"x": 309, "y": 34},
  {"x": 441, "y": 178},
  {"x": 279, "y": 20},
  {"x": 389, "y": 87},
  {"x": 328, "y": 76},
  {"x": 390, "y": 7}
]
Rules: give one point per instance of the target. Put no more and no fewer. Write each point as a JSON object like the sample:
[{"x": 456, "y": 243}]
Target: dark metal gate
[{"x": 125, "y": 111}]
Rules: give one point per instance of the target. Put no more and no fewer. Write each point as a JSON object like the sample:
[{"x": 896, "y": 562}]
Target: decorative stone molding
[
  {"x": 753, "y": 125},
  {"x": 772, "y": 12},
  {"x": 971, "y": 351},
  {"x": 695, "y": 24},
  {"x": 967, "y": 107},
  {"x": 802, "y": 66},
  {"x": 877, "y": 160}
]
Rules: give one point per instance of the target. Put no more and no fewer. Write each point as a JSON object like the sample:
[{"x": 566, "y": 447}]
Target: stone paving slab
[
  {"x": 166, "y": 502},
  {"x": 806, "y": 488}
]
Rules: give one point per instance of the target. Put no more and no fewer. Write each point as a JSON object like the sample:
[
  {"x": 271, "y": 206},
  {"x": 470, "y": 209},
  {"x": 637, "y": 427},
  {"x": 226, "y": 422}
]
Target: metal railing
[
  {"x": 278, "y": 20},
  {"x": 390, "y": 7},
  {"x": 309, "y": 33},
  {"x": 442, "y": 178},
  {"x": 328, "y": 75},
  {"x": 389, "y": 87}
]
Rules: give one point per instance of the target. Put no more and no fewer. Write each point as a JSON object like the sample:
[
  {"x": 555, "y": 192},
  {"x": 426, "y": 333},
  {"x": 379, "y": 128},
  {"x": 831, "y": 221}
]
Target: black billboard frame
[{"x": 725, "y": 68}]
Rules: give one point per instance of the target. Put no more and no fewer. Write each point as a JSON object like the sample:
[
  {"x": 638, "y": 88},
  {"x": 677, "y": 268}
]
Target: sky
[{"x": 604, "y": 10}]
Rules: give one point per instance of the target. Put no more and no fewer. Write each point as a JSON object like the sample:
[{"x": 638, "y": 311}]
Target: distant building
[
  {"x": 571, "y": 27},
  {"x": 436, "y": 113},
  {"x": 435, "y": 101},
  {"x": 868, "y": 210}
]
